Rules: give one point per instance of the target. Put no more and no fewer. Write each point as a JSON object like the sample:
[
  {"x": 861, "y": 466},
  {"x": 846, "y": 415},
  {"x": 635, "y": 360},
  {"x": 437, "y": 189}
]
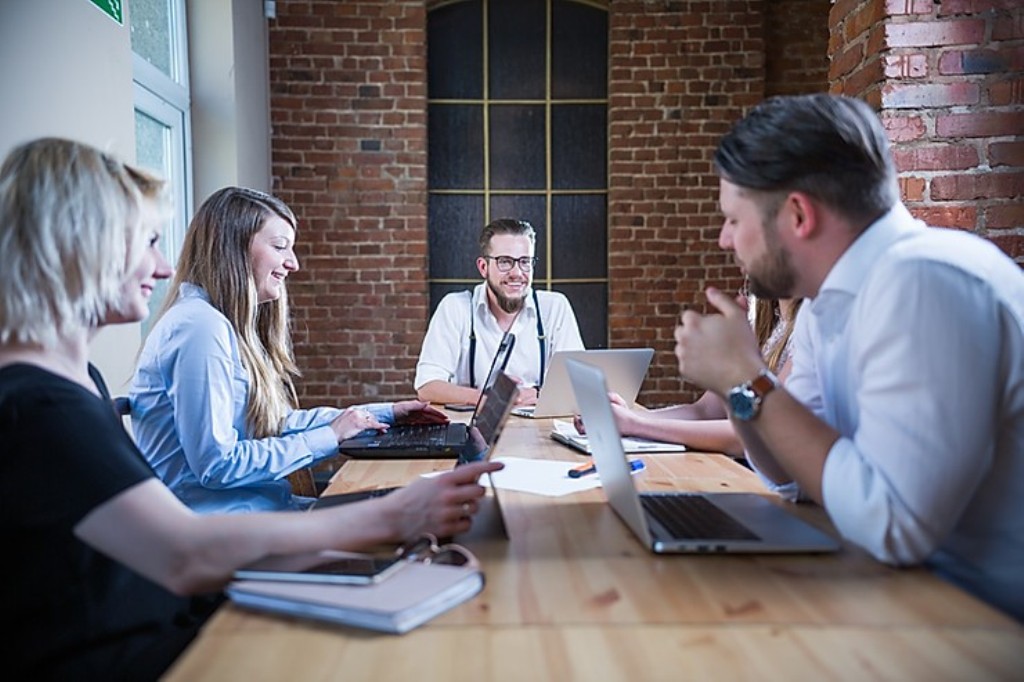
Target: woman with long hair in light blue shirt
[{"x": 213, "y": 400}]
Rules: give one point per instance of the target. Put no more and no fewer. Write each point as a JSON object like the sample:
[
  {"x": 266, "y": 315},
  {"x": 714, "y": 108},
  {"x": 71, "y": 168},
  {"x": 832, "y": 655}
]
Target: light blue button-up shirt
[{"x": 188, "y": 401}]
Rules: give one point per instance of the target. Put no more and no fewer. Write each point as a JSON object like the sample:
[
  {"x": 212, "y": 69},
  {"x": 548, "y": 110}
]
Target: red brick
[
  {"x": 935, "y": 157},
  {"x": 912, "y": 188},
  {"x": 904, "y": 128},
  {"x": 903, "y": 7},
  {"x": 928, "y": 95},
  {"x": 935, "y": 33},
  {"x": 979, "y": 124},
  {"x": 940, "y": 215},
  {"x": 905, "y": 66},
  {"x": 1005, "y": 215},
  {"x": 1009, "y": 28},
  {"x": 1011, "y": 244},
  {"x": 989, "y": 185},
  {"x": 1006, "y": 93},
  {"x": 948, "y": 7},
  {"x": 1006, "y": 154},
  {"x": 959, "y": 62}
]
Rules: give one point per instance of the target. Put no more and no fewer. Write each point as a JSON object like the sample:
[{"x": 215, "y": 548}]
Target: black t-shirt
[{"x": 71, "y": 612}]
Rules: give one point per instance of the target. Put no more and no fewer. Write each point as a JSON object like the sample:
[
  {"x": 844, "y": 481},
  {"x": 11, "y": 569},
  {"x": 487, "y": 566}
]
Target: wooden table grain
[{"x": 572, "y": 595}]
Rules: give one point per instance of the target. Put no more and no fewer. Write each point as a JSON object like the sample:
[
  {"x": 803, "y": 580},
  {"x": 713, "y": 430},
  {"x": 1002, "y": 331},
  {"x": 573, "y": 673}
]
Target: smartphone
[
  {"x": 323, "y": 567},
  {"x": 460, "y": 407}
]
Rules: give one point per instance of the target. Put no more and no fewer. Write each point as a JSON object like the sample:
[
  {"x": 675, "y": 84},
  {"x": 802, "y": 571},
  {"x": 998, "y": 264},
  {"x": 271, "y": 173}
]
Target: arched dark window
[{"x": 518, "y": 118}]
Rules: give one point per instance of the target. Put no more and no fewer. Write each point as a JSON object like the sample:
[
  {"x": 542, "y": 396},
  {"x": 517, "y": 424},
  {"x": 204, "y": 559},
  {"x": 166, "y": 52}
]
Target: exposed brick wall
[
  {"x": 348, "y": 110},
  {"x": 348, "y": 105},
  {"x": 680, "y": 73},
  {"x": 946, "y": 77},
  {"x": 796, "y": 47}
]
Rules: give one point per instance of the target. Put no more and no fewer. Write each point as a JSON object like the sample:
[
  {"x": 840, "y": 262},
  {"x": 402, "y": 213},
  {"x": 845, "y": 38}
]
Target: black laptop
[
  {"x": 492, "y": 411},
  {"x": 427, "y": 441}
]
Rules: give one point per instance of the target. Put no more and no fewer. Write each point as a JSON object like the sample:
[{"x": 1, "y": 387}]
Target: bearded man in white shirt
[
  {"x": 904, "y": 412},
  {"x": 466, "y": 328}
]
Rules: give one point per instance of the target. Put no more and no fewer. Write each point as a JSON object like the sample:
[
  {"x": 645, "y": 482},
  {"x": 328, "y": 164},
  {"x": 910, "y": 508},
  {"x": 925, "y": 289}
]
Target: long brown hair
[
  {"x": 215, "y": 256},
  {"x": 768, "y": 315}
]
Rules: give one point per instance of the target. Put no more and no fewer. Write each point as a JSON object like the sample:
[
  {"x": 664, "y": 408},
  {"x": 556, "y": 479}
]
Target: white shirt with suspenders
[{"x": 463, "y": 327}]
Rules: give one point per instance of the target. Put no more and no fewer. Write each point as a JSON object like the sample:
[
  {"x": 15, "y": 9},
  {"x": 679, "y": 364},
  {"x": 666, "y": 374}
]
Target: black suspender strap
[
  {"x": 541, "y": 339},
  {"x": 472, "y": 342}
]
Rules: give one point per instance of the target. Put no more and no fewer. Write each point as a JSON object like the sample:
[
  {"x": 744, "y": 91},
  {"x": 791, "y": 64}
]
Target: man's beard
[
  {"x": 775, "y": 277},
  {"x": 509, "y": 305}
]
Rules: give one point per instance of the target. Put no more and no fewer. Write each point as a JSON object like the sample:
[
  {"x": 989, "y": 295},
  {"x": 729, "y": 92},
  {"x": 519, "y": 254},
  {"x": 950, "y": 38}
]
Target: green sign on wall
[{"x": 112, "y": 8}]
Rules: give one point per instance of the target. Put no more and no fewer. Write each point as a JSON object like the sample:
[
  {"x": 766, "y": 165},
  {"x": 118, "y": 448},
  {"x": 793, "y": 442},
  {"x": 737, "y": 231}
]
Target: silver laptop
[
  {"x": 669, "y": 523},
  {"x": 625, "y": 369}
]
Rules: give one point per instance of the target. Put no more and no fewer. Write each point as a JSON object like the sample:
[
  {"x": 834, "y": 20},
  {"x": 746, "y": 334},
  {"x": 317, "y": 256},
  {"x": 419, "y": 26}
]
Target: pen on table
[{"x": 589, "y": 468}]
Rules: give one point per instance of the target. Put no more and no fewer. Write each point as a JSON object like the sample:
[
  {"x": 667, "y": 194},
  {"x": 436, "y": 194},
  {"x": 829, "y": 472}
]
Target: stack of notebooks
[{"x": 396, "y": 603}]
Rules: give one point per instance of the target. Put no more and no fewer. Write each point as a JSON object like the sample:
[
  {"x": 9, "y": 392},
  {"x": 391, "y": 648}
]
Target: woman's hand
[
  {"x": 618, "y": 406},
  {"x": 443, "y": 505},
  {"x": 418, "y": 412},
  {"x": 354, "y": 421}
]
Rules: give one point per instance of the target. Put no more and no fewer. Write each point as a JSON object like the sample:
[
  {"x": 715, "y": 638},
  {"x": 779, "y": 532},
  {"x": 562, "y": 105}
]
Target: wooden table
[{"x": 571, "y": 595}]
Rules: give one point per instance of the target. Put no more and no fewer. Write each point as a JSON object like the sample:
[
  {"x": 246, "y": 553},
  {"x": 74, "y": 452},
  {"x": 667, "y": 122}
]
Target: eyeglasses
[
  {"x": 505, "y": 263},
  {"x": 425, "y": 549}
]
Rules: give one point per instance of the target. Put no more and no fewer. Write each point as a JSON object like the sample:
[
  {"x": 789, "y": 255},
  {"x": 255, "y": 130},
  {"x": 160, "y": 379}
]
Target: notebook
[
  {"x": 427, "y": 441},
  {"x": 412, "y": 596},
  {"x": 669, "y": 523},
  {"x": 565, "y": 433},
  {"x": 625, "y": 369}
]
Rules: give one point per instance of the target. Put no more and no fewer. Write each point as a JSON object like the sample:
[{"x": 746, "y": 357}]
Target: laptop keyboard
[
  {"x": 693, "y": 517},
  {"x": 426, "y": 435}
]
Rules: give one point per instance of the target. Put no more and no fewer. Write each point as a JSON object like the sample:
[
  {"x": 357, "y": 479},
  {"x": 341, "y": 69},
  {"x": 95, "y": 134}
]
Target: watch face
[{"x": 743, "y": 404}]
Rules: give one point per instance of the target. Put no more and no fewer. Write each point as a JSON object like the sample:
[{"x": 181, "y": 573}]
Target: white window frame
[{"x": 166, "y": 99}]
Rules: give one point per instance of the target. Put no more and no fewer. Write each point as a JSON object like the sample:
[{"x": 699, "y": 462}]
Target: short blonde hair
[{"x": 70, "y": 228}]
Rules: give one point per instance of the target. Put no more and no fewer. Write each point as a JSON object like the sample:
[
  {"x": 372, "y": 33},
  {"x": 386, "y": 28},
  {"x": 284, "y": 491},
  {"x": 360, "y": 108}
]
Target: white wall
[
  {"x": 66, "y": 70},
  {"x": 230, "y": 95}
]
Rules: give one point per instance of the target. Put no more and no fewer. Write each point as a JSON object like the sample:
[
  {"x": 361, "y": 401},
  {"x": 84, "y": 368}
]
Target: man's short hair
[
  {"x": 504, "y": 226},
  {"x": 830, "y": 147}
]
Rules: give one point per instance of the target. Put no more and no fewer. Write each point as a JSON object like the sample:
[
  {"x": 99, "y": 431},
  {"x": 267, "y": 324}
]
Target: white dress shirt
[
  {"x": 914, "y": 351},
  {"x": 445, "y": 352},
  {"x": 189, "y": 398}
]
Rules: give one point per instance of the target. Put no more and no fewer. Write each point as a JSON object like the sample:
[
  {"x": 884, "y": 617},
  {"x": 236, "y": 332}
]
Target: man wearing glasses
[{"x": 465, "y": 331}]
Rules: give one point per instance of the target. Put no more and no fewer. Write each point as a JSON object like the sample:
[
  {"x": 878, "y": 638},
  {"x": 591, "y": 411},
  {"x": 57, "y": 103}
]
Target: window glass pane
[
  {"x": 579, "y": 236},
  {"x": 531, "y": 208},
  {"x": 455, "y": 223},
  {"x": 151, "y": 33},
  {"x": 516, "y": 41},
  {"x": 517, "y": 147},
  {"x": 152, "y": 152},
  {"x": 438, "y": 291},
  {"x": 579, "y": 51},
  {"x": 455, "y": 51},
  {"x": 579, "y": 142},
  {"x": 455, "y": 146},
  {"x": 590, "y": 303}
]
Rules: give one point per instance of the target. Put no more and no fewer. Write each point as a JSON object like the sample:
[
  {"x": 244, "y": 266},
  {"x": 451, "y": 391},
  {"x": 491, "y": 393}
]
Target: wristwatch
[{"x": 745, "y": 399}]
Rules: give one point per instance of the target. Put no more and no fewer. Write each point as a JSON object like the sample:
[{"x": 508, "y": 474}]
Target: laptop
[
  {"x": 427, "y": 441},
  {"x": 678, "y": 522},
  {"x": 565, "y": 433},
  {"x": 625, "y": 369},
  {"x": 482, "y": 433}
]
